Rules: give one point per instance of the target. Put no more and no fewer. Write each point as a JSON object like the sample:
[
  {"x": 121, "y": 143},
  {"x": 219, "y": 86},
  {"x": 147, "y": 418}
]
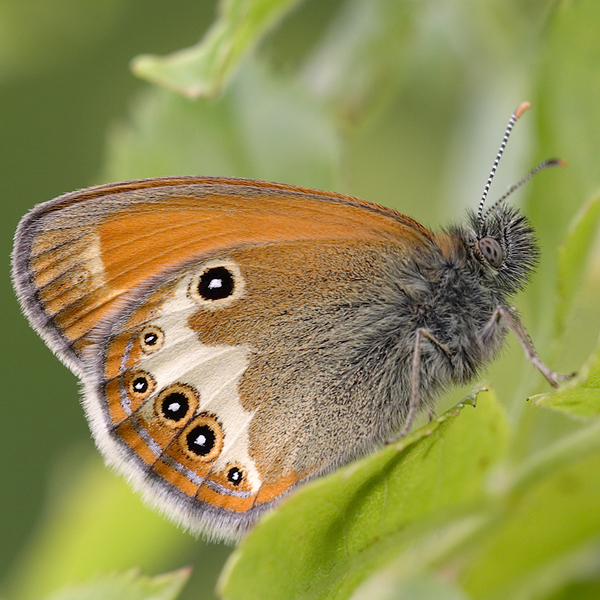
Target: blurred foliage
[
  {"x": 403, "y": 103},
  {"x": 127, "y": 586},
  {"x": 203, "y": 69}
]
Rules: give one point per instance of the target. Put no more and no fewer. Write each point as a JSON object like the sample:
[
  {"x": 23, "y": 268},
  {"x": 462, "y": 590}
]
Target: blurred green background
[
  {"x": 401, "y": 103},
  {"x": 64, "y": 80}
]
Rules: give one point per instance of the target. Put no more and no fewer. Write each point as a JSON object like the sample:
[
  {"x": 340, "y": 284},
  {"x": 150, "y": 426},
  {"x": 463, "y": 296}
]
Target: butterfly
[{"x": 236, "y": 338}]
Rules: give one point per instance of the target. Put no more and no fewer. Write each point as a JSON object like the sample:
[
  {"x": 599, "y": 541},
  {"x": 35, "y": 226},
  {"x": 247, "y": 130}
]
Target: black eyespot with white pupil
[
  {"x": 201, "y": 440},
  {"x": 491, "y": 250},
  {"x": 216, "y": 283},
  {"x": 235, "y": 476},
  {"x": 140, "y": 384},
  {"x": 175, "y": 406},
  {"x": 150, "y": 338}
]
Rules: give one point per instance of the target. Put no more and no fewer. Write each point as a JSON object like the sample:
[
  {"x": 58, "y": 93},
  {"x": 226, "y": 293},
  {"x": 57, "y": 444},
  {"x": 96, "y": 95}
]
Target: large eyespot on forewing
[{"x": 217, "y": 284}]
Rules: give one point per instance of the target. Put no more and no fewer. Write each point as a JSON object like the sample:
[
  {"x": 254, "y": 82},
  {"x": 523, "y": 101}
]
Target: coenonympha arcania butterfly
[{"x": 236, "y": 338}]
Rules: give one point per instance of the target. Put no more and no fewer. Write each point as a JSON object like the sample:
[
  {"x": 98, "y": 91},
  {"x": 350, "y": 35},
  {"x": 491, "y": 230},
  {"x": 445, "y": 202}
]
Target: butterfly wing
[{"x": 219, "y": 327}]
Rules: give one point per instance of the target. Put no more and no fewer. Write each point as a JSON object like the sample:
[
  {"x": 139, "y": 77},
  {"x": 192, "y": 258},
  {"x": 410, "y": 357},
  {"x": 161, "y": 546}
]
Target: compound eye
[{"x": 491, "y": 250}]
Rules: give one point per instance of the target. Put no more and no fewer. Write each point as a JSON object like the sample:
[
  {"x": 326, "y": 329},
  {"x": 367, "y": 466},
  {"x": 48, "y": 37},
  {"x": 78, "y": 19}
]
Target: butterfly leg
[
  {"x": 415, "y": 378},
  {"x": 515, "y": 324}
]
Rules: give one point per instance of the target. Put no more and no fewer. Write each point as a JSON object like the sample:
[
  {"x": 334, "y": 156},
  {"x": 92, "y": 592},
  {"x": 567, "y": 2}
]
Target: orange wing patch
[{"x": 129, "y": 232}]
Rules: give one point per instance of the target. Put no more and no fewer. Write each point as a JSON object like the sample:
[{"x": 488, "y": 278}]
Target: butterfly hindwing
[{"x": 165, "y": 408}]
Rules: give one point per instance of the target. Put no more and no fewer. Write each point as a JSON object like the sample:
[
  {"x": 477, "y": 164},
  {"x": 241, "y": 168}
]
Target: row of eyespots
[{"x": 202, "y": 438}]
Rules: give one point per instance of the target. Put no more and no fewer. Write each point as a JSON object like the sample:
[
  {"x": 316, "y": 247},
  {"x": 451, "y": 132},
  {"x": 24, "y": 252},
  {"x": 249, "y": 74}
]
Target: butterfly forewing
[{"x": 76, "y": 256}]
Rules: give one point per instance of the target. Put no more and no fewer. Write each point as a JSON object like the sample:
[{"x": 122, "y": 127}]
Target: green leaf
[
  {"x": 338, "y": 530},
  {"x": 204, "y": 68},
  {"x": 572, "y": 257},
  {"x": 547, "y": 531},
  {"x": 579, "y": 590},
  {"x": 386, "y": 585},
  {"x": 127, "y": 586},
  {"x": 579, "y": 397}
]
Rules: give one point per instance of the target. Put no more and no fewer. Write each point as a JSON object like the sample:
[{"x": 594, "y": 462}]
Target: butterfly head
[
  {"x": 501, "y": 241},
  {"x": 504, "y": 247}
]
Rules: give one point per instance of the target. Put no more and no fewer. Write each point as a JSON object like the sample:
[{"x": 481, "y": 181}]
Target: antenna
[
  {"x": 511, "y": 123},
  {"x": 550, "y": 162}
]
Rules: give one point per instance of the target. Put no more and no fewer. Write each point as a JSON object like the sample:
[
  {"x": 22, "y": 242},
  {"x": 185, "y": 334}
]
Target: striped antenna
[
  {"x": 511, "y": 123},
  {"x": 551, "y": 162}
]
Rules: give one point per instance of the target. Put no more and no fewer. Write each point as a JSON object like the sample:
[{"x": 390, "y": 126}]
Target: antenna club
[{"x": 521, "y": 109}]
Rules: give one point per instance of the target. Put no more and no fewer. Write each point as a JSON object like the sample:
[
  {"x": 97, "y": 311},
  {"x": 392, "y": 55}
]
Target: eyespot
[
  {"x": 217, "y": 285},
  {"x": 202, "y": 439},
  {"x": 491, "y": 250},
  {"x": 176, "y": 404},
  {"x": 235, "y": 476},
  {"x": 151, "y": 339},
  {"x": 139, "y": 384}
]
